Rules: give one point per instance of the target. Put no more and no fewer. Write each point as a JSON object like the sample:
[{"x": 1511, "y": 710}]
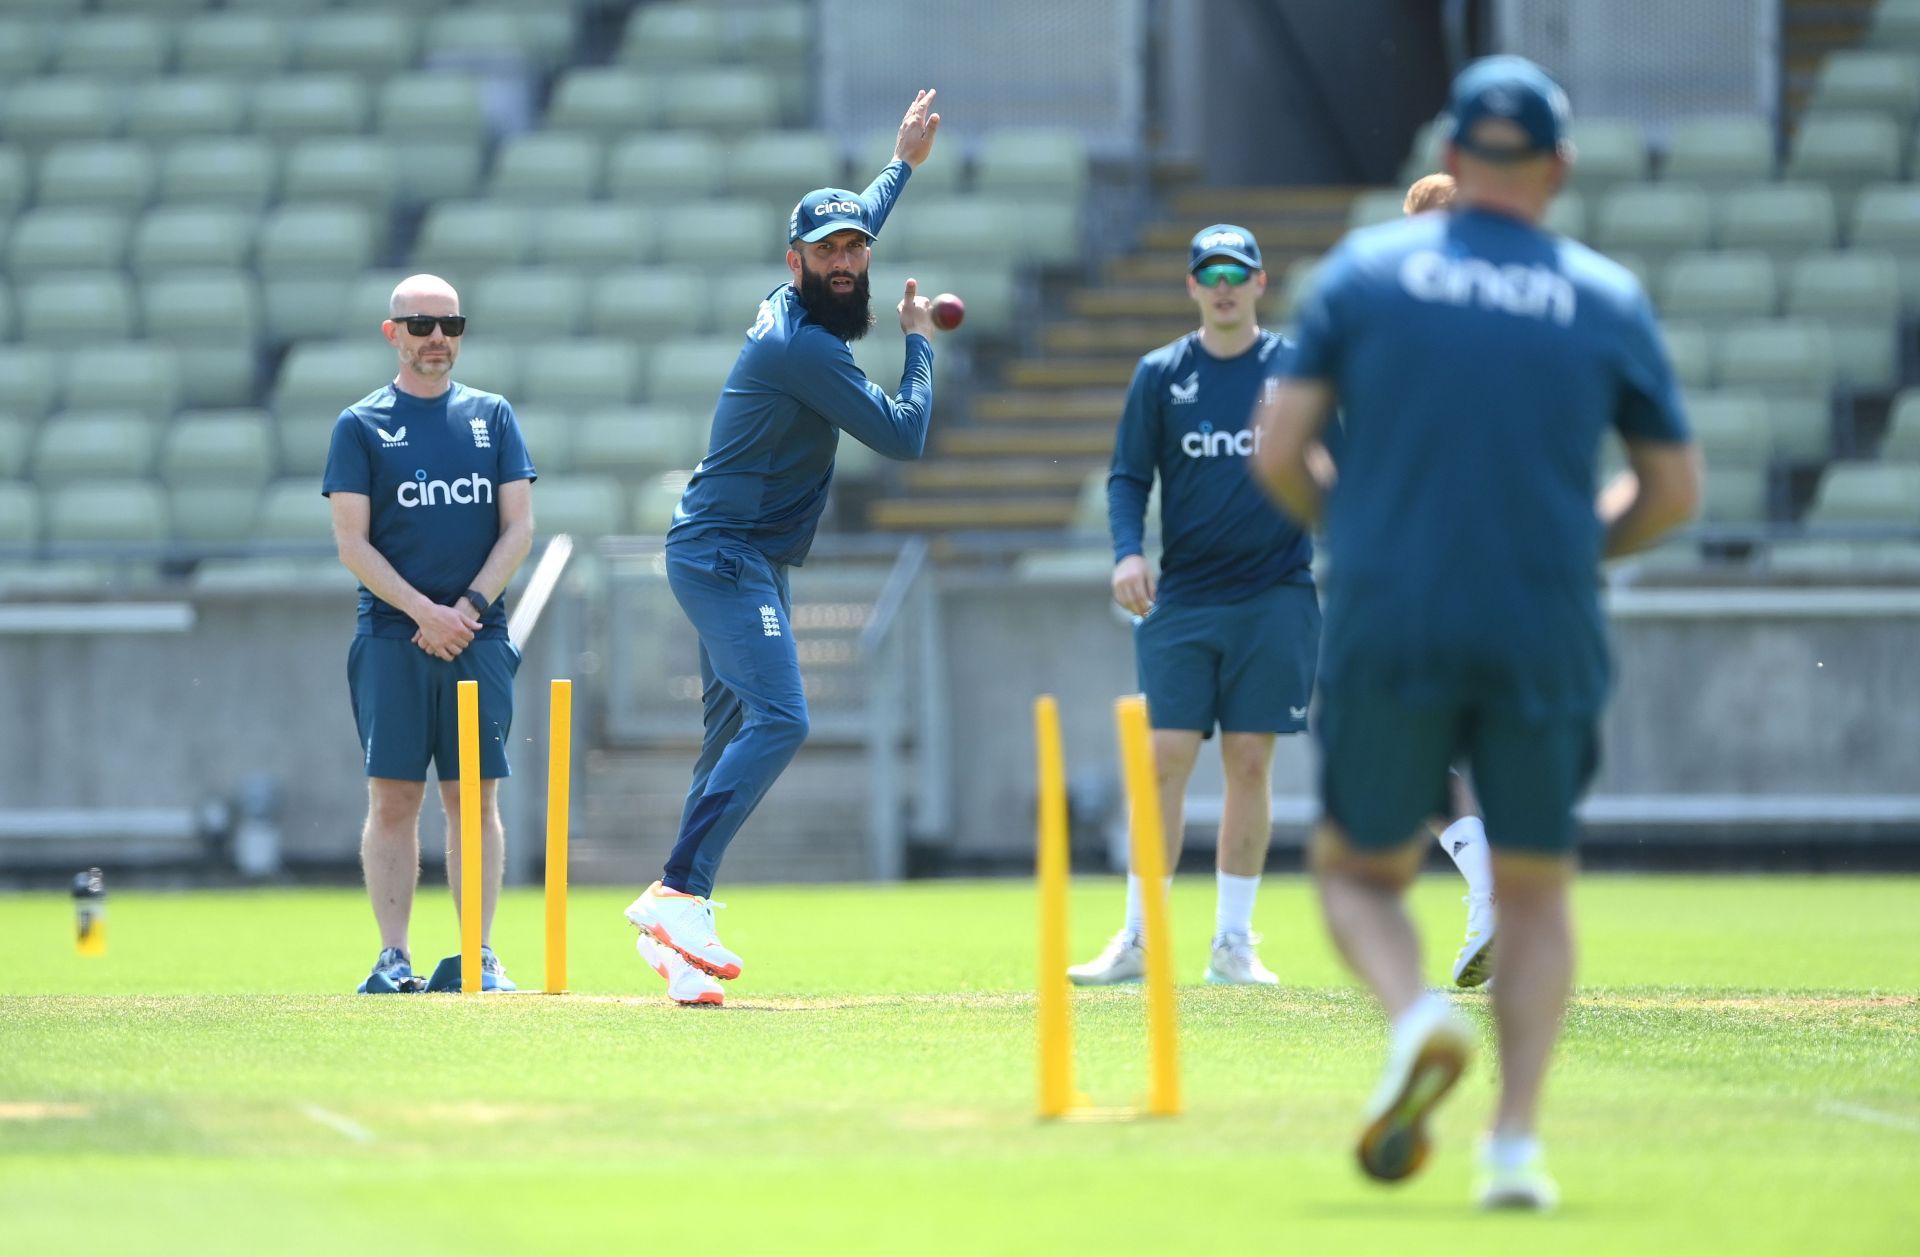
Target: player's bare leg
[
  {"x": 493, "y": 857},
  {"x": 390, "y": 862},
  {"x": 1246, "y": 830}
]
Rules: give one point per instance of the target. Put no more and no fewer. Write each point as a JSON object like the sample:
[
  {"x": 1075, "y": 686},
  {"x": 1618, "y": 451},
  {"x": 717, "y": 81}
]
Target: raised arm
[{"x": 913, "y": 146}]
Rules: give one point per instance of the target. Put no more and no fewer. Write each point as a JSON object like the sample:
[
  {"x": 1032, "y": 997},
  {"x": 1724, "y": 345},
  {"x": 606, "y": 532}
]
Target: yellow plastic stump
[
  {"x": 470, "y": 870},
  {"x": 559, "y": 783}
]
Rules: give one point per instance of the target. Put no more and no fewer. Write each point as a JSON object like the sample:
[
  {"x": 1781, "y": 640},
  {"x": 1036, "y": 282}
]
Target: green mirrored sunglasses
[{"x": 1234, "y": 273}]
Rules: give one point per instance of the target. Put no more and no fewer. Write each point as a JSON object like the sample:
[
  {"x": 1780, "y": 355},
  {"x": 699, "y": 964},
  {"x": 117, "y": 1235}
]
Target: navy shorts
[
  {"x": 1385, "y": 764},
  {"x": 407, "y": 709},
  {"x": 1245, "y": 666}
]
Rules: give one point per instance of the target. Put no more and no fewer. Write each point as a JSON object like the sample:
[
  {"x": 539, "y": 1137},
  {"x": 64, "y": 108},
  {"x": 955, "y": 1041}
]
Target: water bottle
[{"x": 90, "y": 912}]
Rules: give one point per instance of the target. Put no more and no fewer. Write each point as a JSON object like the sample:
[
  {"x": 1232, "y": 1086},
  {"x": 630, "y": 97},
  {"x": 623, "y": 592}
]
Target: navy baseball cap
[
  {"x": 824, "y": 211},
  {"x": 1224, "y": 240},
  {"x": 1515, "y": 91}
]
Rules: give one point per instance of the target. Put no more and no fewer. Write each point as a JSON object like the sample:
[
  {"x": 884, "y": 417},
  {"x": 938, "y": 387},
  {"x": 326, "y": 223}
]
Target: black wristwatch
[{"x": 479, "y": 601}]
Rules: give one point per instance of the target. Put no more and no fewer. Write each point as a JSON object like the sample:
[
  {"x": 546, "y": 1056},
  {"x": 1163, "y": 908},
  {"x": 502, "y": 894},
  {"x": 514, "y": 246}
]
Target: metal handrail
[
  {"x": 893, "y": 594},
  {"x": 540, "y": 587}
]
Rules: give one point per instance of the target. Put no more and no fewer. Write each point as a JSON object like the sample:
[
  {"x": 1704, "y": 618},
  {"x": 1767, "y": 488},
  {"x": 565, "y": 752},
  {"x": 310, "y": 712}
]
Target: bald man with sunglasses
[{"x": 431, "y": 489}]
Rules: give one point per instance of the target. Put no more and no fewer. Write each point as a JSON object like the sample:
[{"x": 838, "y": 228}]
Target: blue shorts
[
  {"x": 1245, "y": 666},
  {"x": 1385, "y": 765},
  {"x": 407, "y": 709}
]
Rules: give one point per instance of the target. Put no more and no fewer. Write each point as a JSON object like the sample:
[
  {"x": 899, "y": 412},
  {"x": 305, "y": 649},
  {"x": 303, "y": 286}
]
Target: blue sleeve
[
  {"x": 349, "y": 466},
  {"x": 511, "y": 460},
  {"x": 884, "y": 191},
  {"x": 1649, "y": 407},
  {"x": 1316, "y": 340},
  {"x": 822, "y": 375},
  {"x": 1136, "y": 453}
]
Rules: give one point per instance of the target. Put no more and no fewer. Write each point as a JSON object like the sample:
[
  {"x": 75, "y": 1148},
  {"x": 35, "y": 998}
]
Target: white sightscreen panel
[{"x": 997, "y": 63}]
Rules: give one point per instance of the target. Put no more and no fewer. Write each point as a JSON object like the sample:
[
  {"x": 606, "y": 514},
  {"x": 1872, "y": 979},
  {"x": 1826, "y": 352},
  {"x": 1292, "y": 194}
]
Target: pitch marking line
[
  {"x": 342, "y": 1125},
  {"x": 1861, "y": 1113}
]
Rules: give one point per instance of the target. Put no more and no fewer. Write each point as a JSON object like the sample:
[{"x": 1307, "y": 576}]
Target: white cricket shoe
[
  {"x": 686, "y": 985},
  {"x": 1474, "y": 965},
  {"x": 1123, "y": 960},
  {"x": 1235, "y": 963},
  {"x": 1526, "y": 1185},
  {"x": 1426, "y": 1054},
  {"x": 684, "y": 923}
]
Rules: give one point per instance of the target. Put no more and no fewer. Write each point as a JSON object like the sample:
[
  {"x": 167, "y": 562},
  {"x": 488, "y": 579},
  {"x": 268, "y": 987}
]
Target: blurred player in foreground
[
  {"x": 749, "y": 513},
  {"x": 1227, "y": 634},
  {"x": 1478, "y": 361}
]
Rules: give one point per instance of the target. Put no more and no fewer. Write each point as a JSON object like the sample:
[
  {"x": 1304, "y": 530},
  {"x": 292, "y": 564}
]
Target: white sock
[
  {"x": 1136, "y": 910},
  {"x": 1466, "y": 842},
  {"x": 1233, "y": 908},
  {"x": 1504, "y": 1151}
]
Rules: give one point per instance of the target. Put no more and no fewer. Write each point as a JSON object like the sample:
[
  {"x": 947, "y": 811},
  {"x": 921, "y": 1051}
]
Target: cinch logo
[
  {"x": 1531, "y": 292},
  {"x": 1223, "y": 240},
  {"x": 466, "y": 491},
  {"x": 837, "y": 207},
  {"x": 1204, "y": 442}
]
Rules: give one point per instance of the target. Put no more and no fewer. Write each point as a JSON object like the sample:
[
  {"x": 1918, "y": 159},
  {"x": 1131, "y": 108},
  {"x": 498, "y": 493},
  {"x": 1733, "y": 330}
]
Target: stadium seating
[
  {"x": 1783, "y": 220},
  {"x": 1719, "y": 153},
  {"x": 1653, "y": 220},
  {"x": 1868, "y": 493}
]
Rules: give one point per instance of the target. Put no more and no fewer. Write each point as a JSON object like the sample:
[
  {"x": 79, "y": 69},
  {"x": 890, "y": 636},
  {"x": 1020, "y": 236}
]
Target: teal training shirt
[
  {"x": 1188, "y": 419},
  {"x": 431, "y": 469},
  {"x": 1477, "y": 362},
  {"x": 794, "y": 388}
]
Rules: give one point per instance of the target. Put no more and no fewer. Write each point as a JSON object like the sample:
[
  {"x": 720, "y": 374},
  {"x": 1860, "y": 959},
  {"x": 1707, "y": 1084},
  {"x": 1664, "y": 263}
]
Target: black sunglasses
[{"x": 422, "y": 324}]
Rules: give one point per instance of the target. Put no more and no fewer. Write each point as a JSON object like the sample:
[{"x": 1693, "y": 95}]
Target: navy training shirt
[
  {"x": 794, "y": 388},
  {"x": 431, "y": 468},
  {"x": 1478, "y": 362},
  {"x": 1188, "y": 419}
]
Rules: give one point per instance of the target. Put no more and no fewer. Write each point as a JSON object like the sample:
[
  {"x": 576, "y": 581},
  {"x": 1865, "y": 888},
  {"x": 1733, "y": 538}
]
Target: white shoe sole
[
  {"x": 651, "y": 952},
  {"x": 1216, "y": 979},
  {"x": 1474, "y": 970},
  {"x": 1394, "y": 1145},
  {"x": 640, "y": 915}
]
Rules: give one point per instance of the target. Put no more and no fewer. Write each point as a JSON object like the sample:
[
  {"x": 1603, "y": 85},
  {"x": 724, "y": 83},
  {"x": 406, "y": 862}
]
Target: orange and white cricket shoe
[
  {"x": 684, "y": 923},
  {"x": 686, "y": 985}
]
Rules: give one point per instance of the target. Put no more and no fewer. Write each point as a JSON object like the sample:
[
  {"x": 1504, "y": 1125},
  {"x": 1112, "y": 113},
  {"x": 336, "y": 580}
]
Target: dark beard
[{"x": 849, "y": 317}]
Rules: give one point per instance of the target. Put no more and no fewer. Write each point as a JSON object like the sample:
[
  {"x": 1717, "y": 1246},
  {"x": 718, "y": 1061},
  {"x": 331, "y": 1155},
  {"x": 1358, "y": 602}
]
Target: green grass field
[{"x": 1741, "y": 1073}]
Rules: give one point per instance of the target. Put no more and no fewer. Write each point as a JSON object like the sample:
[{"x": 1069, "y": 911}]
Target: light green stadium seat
[
  {"x": 536, "y": 36},
  {"x": 165, "y": 8},
  {"x": 47, "y": 110},
  {"x": 212, "y": 318},
  {"x": 782, "y": 166},
  {"x": 144, "y": 376},
  {"x": 1846, "y": 150},
  {"x": 437, "y": 170},
  {"x": 372, "y": 42},
  {"x": 355, "y": 170},
  {"x": 80, "y": 307},
  {"x": 237, "y": 171},
  {"x": 293, "y": 510},
  {"x": 474, "y": 236},
  {"x": 321, "y": 240},
  {"x": 173, "y": 108},
  {"x": 212, "y": 447},
  {"x": 62, "y": 241},
  {"x": 319, "y": 379},
  {"x": 294, "y": 105},
  {"x": 20, "y": 522},
  {"x": 1895, "y": 24},
  {"x": 735, "y": 296},
  {"x": 16, "y": 182},
  {"x": 1611, "y": 152},
  {"x": 700, "y": 231},
  {"x": 1567, "y": 216},
  {"x": 212, "y": 514},
  {"x": 120, "y": 47},
  {"x": 589, "y": 371},
  {"x": 594, "y": 238},
  {"x": 1719, "y": 153},
  {"x": 280, "y": 6},
  {"x": 642, "y": 303},
  {"x": 1370, "y": 208},
  {"x": 1903, "y": 429},
  {"x": 107, "y": 511},
  {"x": 48, "y": 8},
  {"x": 1802, "y": 425},
  {"x": 16, "y": 444},
  {"x": 776, "y": 35},
  {"x": 604, "y": 100},
  {"x": 490, "y": 362},
  {"x": 308, "y": 307},
  {"x": 29, "y": 380},
  {"x": 255, "y": 575},
  {"x": 1880, "y": 81},
  {"x": 103, "y": 174},
  {"x": 641, "y": 168},
  {"x": 26, "y": 45},
  {"x": 94, "y": 445},
  {"x": 728, "y": 101},
  {"x": 9, "y": 319},
  {"x": 1031, "y": 163},
  {"x": 368, "y": 297},
  {"x": 655, "y": 502},
  {"x": 199, "y": 237},
  {"x": 303, "y": 440},
  {"x": 1868, "y": 493},
  {"x": 1716, "y": 289},
  {"x": 933, "y": 179},
  {"x": 587, "y": 506},
  {"x": 240, "y": 45},
  {"x": 669, "y": 36},
  {"x": 1886, "y": 219},
  {"x": 446, "y": 103},
  {"x": 633, "y": 442},
  {"x": 540, "y": 169},
  {"x": 957, "y": 229},
  {"x": 1785, "y": 219},
  {"x": 1690, "y": 349},
  {"x": 1733, "y": 429},
  {"x": 1857, "y": 295},
  {"x": 531, "y": 302},
  {"x": 548, "y": 431},
  {"x": 1637, "y": 266},
  {"x": 1733, "y": 495},
  {"x": 1050, "y": 231},
  {"x": 1653, "y": 220},
  {"x": 688, "y": 372},
  {"x": 1776, "y": 355}
]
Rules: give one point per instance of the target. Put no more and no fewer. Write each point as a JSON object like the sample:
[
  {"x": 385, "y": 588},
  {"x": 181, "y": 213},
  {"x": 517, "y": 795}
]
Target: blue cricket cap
[
  {"x": 1224, "y": 240},
  {"x": 824, "y": 211},
  {"x": 1512, "y": 90}
]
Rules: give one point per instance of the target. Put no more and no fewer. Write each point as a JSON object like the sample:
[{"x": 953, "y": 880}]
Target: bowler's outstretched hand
[{"x": 917, "y": 130}]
